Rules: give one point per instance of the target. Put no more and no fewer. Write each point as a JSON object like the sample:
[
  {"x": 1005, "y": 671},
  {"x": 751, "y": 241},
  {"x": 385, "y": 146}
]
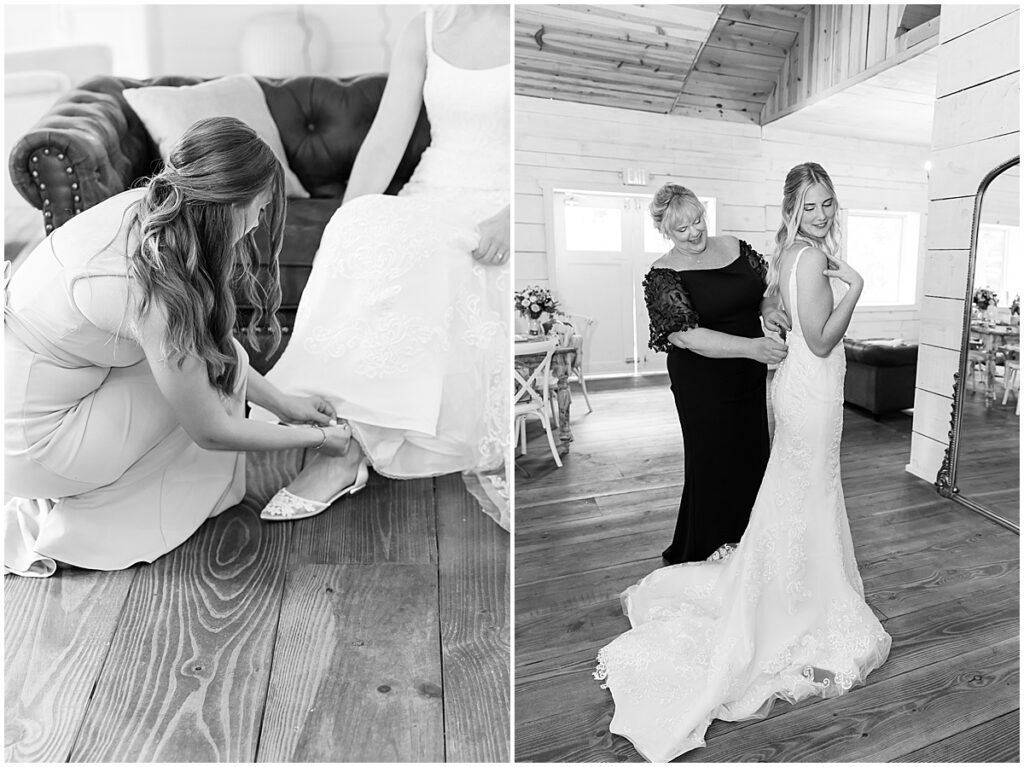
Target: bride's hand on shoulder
[
  {"x": 843, "y": 271},
  {"x": 313, "y": 409},
  {"x": 493, "y": 248}
]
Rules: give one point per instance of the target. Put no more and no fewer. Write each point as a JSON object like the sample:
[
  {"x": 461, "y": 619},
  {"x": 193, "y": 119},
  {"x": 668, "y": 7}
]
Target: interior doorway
[{"x": 605, "y": 243}]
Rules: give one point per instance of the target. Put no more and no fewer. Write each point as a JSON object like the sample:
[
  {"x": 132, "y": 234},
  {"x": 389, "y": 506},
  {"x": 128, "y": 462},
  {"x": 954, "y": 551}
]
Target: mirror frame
[{"x": 945, "y": 481}]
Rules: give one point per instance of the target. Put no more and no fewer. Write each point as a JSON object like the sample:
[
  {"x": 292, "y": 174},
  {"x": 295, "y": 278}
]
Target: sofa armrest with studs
[{"x": 91, "y": 145}]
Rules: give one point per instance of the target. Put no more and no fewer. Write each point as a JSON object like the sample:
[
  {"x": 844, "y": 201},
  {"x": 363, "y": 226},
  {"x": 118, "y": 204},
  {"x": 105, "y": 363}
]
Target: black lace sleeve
[
  {"x": 668, "y": 306},
  {"x": 757, "y": 262}
]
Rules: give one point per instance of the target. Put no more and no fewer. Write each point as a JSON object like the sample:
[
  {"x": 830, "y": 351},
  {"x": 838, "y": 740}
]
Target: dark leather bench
[{"x": 880, "y": 374}]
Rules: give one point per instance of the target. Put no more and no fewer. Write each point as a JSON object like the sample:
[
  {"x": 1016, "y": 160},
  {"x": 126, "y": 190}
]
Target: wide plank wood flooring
[
  {"x": 943, "y": 580},
  {"x": 377, "y": 631},
  {"x": 988, "y": 468}
]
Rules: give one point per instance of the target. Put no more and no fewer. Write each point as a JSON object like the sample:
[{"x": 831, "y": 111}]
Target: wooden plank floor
[
  {"x": 943, "y": 580},
  {"x": 377, "y": 631},
  {"x": 989, "y": 460}
]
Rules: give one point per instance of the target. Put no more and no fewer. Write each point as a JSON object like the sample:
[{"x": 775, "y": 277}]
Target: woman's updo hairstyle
[
  {"x": 671, "y": 204},
  {"x": 190, "y": 259}
]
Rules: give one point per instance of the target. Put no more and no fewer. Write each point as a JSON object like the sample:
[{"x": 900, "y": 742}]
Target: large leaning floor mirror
[{"x": 982, "y": 467}]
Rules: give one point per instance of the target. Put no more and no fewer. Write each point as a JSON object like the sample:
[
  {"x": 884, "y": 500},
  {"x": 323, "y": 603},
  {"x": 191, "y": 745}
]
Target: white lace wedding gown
[
  {"x": 783, "y": 616},
  {"x": 398, "y": 324}
]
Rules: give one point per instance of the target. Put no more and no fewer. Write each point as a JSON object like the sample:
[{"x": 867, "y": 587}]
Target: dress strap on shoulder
[
  {"x": 428, "y": 28},
  {"x": 796, "y": 260}
]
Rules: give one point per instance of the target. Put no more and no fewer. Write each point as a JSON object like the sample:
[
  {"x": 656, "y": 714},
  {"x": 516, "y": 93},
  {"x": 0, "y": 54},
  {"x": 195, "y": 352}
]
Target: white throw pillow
[{"x": 168, "y": 111}]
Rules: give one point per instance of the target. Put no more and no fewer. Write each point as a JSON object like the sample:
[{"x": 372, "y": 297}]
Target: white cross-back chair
[
  {"x": 575, "y": 331},
  {"x": 532, "y": 397},
  {"x": 1011, "y": 374},
  {"x": 584, "y": 326}
]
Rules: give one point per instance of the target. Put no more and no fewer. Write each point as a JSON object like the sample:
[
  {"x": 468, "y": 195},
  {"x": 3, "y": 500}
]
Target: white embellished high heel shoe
[{"x": 286, "y": 506}]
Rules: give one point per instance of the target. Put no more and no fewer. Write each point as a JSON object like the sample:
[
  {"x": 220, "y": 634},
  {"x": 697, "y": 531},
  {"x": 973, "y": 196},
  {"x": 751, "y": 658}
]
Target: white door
[{"x": 604, "y": 245}]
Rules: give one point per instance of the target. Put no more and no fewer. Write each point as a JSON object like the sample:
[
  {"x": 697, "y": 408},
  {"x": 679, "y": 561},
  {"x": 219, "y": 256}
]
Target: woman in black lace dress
[{"x": 705, "y": 302}]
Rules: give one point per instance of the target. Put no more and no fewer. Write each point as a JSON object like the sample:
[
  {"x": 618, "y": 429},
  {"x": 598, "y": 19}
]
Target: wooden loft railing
[{"x": 841, "y": 45}]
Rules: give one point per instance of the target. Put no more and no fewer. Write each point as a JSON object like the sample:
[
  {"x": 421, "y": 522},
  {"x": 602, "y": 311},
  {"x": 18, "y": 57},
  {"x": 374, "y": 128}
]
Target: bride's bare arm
[
  {"x": 385, "y": 143},
  {"x": 823, "y": 327}
]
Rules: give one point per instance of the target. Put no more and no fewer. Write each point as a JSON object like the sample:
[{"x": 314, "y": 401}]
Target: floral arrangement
[
  {"x": 984, "y": 298},
  {"x": 533, "y": 301},
  {"x": 1015, "y": 306}
]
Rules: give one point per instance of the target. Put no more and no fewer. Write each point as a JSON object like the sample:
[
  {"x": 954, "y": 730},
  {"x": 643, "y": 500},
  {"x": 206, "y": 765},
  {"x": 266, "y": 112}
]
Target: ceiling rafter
[{"x": 693, "y": 64}]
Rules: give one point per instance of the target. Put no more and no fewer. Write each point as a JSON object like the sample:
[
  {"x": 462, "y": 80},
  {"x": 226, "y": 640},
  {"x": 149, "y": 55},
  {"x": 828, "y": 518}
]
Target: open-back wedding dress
[
  {"x": 783, "y": 616},
  {"x": 398, "y": 325}
]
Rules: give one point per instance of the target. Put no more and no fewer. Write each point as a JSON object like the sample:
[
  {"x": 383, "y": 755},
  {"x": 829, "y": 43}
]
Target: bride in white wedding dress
[
  {"x": 403, "y": 323},
  {"x": 783, "y": 615}
]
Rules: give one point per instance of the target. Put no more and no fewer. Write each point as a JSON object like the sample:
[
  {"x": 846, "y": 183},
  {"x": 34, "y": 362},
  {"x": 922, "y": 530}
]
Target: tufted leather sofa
[
  {"x": 880, "y": 374},
  {"x": 91, "y": 145}
]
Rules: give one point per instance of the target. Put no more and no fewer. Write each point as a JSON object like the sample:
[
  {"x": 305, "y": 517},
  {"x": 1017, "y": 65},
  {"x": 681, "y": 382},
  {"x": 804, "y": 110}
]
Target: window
[
  {"x": 592, "y": 227},
  {"x": 883, "y": 246},
  {"x": 655, "y": 243},
  {"x": 998, "y": 266},
  {"x": 122, "y": 28}
]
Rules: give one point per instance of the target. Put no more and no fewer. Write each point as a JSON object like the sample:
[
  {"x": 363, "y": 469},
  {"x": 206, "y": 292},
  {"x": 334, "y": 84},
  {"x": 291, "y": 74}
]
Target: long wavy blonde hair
[
  {"x": 798, "y": 181},
  {"x": 189, "y": 258}
]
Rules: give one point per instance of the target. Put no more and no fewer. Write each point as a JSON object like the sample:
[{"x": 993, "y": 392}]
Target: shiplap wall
[
  {"x": 976, "y": 128},
  {"x": 578, "y": 146},
  {"x": 562, "y": 144}
]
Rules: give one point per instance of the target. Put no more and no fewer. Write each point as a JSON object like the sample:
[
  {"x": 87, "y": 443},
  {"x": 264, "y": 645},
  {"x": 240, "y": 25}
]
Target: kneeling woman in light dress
[
  {"x": 784, "y": 616},
  {"x": 124, "y": 386},
  {"x": 404, "y": 320}
]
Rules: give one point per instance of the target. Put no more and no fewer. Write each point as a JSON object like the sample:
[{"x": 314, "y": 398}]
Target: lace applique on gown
[
  {"x": 783, "y": 616},
  {"x": 398, "y": 324}
]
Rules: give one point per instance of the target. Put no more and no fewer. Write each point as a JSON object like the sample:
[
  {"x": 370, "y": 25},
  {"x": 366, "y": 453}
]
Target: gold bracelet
[{"x": 323, "y": 437}]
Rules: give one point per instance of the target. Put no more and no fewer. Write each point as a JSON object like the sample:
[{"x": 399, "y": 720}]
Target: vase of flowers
[
  {"x": 1015, "y": 311},
  {"x": 533, "y": 302},
  {"x": 984, "y": 299}
]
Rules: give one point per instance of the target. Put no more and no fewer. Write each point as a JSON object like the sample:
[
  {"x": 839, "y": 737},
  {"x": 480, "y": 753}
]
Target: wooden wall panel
[
  {"x": 878, "y": 28},
  {"x": 892, "y": 42},
  {"x": 950, "y": 223},
  {"x": 976, "y": 128},
  {"x": 808, "y": 39},
  {"x": 857, "y": 47},
  {"x": 975, "y": 114},
  {"x": 839, "y": 46},
  {"x": 945, "y": 273},
  {"x": 932, "y": 413},
  {"x": 934, "y": 366},
  {"x": 990, "y": 52},
  {"x": 529, "y": 237},
  {"x": 960, "y": 18},
  {"x": 841, "y": 43},
  {"x": 740, "y": 218},
  {"x": 531, "y": 268},
  {"x": 925, "y": 456},
  {"x": 956, "y": 173},
  {"x": 578, "y": 146},
  {"x": 881, "y": 322},
  {"x": 942, "y": 321}
]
